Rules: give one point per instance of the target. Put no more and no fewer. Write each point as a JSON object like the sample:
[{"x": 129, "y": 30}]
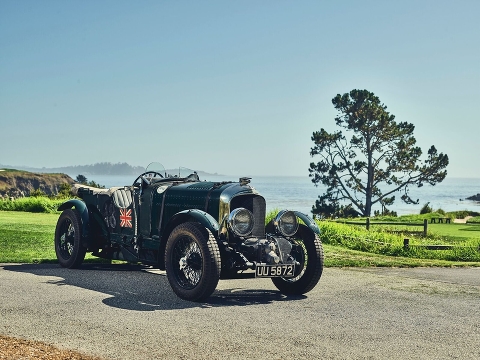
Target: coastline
[{"x": 299, "y": 193}]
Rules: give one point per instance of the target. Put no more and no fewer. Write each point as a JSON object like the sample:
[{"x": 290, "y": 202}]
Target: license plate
[{"x": 280, "y": 270}]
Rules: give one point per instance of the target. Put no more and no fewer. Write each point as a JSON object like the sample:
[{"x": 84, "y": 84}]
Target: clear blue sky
[{"x": 234, "y": 87}]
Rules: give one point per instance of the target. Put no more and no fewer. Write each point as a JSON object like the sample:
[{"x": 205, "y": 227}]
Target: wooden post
[
  {"x": 368, "y": 223},
  {"x": 425, "y": 224},
  {"x": 406, "y": 243}
]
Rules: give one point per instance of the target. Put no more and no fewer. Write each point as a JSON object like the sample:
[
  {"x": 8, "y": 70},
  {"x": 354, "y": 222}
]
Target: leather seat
[{"x": 122, "y": 197}]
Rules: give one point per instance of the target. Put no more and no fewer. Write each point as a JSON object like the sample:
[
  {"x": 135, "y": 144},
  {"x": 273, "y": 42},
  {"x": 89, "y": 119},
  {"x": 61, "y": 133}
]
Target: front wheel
[
  {"x": 192, "y": 261},
  {"x": 68, "y": 239},
  {"x": 308, "y": 251}
]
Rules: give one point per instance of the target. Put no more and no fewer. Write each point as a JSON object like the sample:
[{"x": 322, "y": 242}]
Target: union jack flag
[{"x": 126, "y": 218}]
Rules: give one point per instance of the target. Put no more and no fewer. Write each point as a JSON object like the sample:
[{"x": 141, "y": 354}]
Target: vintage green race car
[{"x": 198, "y": 231}]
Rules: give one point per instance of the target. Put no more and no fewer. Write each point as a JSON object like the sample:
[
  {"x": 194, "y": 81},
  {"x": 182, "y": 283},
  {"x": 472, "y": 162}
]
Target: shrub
[
  {"x": 461, "y": 214},
  {"x": 474, "y": 220},
  {"x": 31, "y": 204},
  {"x": 83, "y": 180},
  {"x": 271, "y": 215},
  {"x": 37, "y": 193},
  {"x": 426, "y": 209},
  {"x": 94, "y": 184},
  {"x": 385, "y": 212},
  {"x": 65, "y": 191}
]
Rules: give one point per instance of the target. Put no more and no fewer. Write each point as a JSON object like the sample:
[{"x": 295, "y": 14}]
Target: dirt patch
[
  {"x": 14, "y": 348},
  {"x": 462, "y": 221}
]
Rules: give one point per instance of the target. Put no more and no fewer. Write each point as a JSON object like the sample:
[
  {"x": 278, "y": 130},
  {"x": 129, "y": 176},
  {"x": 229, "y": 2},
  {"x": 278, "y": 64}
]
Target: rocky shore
[{"x": 474, "y": 197}]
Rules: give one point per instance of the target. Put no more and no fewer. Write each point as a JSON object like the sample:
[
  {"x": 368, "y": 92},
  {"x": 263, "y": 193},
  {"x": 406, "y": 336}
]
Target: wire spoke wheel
[
  {"x": 300, "y": 254},
  {"x": 188, "y": 255},
  {"x": 308, "y": 252},
  {"x": 68, "y": 239},
  {"x": 192, "y": 261}
]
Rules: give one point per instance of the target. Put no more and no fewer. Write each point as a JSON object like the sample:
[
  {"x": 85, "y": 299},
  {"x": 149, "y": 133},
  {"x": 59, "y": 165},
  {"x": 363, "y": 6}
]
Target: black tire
[
  {"x": 68, "y": 239},
  {"x": 310, "y": 257},
  {"x": 192, "y": 261}
]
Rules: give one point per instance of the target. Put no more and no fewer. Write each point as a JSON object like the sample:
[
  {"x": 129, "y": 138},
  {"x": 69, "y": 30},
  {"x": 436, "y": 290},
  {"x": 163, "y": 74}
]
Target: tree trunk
[{"x": 368, "y": 192}]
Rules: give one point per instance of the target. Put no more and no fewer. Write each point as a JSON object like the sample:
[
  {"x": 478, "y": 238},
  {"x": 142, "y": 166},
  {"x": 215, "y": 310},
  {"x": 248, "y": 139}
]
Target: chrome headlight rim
[
  {"x": 238, "y": 225},
  {"x": 286, "y": 223}
]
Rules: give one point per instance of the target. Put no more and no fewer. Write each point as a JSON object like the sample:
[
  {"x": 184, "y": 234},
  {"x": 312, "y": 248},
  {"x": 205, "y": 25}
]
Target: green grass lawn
[
  {"x": 384, "y": 244},
  {"x": 455, "y": 233},
  {"x": 28, "y": 238}
]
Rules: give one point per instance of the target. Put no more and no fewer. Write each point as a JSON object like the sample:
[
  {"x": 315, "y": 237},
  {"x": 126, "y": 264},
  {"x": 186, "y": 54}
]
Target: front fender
[
  {"x": 202, "y": 217},
  {"x": 84, "y": 217}
]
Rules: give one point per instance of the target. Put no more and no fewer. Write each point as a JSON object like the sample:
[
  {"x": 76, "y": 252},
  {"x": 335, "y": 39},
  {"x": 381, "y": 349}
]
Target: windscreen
[{"x": 157, "y": 167}]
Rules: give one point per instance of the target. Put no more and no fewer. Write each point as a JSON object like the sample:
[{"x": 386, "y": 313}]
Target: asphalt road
[{"x": 129, "y": 312}]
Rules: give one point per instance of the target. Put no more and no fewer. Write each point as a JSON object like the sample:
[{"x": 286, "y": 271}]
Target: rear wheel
[
  {"x": 192, "y": 261},
  {"x": 309, "y": 253},
  {"x": 68, "y": 239}
]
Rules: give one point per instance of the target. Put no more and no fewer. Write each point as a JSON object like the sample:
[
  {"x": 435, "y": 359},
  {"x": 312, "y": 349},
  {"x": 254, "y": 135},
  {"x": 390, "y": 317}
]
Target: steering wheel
[{"x": 152, "y": 174}]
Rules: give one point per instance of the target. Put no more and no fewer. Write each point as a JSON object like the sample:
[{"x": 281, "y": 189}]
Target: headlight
[
  {"x": 286, "y": 223},
  {"x": 240, "y": 222}
]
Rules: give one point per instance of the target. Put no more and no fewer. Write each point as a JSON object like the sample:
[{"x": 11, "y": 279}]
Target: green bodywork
[
  {"x": 154, "y": 212},
  {"x": 82, "y": 209}
]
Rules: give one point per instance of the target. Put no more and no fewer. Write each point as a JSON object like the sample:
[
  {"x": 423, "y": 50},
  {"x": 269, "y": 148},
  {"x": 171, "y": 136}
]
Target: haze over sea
[{"x": 299, "y": 193}]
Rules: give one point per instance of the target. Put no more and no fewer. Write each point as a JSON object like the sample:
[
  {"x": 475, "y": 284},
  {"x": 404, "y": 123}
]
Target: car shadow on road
[{"x": 139, "y": 288}]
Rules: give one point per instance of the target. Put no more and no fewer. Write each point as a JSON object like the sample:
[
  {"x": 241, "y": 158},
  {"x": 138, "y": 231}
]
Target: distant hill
[
  {"x": 19, "y": 183},
  {"x": 104, "y": 168}
]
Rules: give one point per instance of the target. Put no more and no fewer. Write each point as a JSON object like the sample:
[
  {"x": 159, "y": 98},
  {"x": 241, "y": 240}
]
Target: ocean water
[{"x": 299, "y": 193}]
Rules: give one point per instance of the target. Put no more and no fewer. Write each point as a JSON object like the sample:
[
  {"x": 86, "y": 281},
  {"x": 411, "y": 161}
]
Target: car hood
[{"x": 206, "y": 196}]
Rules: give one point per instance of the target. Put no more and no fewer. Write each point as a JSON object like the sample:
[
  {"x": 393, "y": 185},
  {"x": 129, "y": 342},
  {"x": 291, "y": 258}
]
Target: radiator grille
[{"x": 256, "y": 204}]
